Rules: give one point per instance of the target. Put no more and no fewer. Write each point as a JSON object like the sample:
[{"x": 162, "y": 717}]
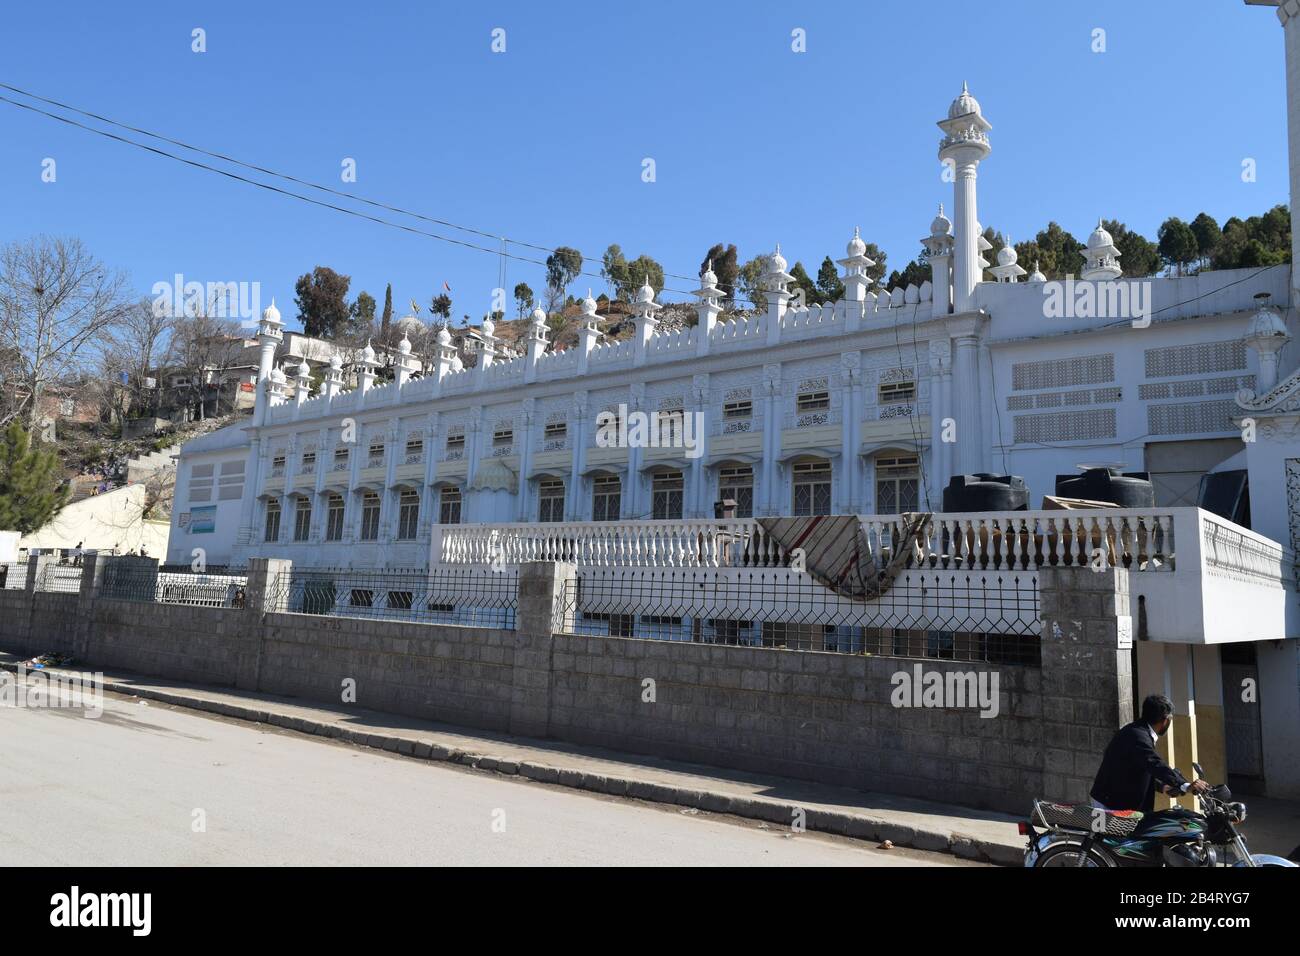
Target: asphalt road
[{"x": 147, "y": 784}]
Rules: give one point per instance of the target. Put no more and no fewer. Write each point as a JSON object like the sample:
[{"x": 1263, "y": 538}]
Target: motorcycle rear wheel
[{"x": 1068, "y": 855}]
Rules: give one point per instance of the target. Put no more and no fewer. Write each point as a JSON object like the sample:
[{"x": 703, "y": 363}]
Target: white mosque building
[{"x": 866, "y": 406}]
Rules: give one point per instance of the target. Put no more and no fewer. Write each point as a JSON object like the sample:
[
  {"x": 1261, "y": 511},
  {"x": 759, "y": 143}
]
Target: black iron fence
[
  {"x": 466, "y": 596},
  {"x": 989, "y": 618}
]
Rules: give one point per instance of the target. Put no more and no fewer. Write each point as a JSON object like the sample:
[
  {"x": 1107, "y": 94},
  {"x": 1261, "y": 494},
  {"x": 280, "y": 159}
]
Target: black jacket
[{"x": 1131, "y": 771}]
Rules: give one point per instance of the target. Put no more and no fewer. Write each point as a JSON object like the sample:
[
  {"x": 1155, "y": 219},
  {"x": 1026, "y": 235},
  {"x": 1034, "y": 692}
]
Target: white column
[
  {"x": 1288, "y": 13},
  {"x": 966, "y": 239},
  {"x": 966, "y": 375},
  {"x": 771, "y": 390}
]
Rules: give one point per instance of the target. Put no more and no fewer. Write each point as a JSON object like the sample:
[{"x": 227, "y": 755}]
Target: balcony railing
[{"x": 1141, "y": 540}]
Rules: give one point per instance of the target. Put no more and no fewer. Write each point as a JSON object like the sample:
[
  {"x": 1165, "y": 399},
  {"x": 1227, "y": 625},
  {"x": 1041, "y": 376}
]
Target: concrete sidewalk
[{"x": 972, "y": 834}]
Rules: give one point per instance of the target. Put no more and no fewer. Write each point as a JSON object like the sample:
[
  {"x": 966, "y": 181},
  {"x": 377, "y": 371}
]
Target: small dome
[
  {"x": 588, "y": 307},
  {"x": 708, "y": 277},
  {"x": 646, "y": 293},
  {"x": 277, "y": 375},
  {"x": 368, "y": 354},
  {"x": 304, "y": 370},
  {"x": 409, "y": 324},
  {"x": 1100, "y": 238},
  {"x": 456, "y": 364},
  {"x": 941, "y": 225},
  {"x": 1266, "y": 323},
  {"x": 271, "y": 314},
  {"x": 856, "y": 246},
  {"x": 963, "y": 104},
  {"x": 539, "y": 314},
  {"x": 777, "y": 260},
  {"x": 404, "y": 346},
  {"x": 1037, "y": 276},
  {"x": 336, "y": 362},
  {"x": 1007, "y": 255},
  {"x": 489, "y": 327},
  {"x": 444, "y": 336}
]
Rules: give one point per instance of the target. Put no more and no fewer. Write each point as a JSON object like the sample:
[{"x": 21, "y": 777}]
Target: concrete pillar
[
  {"x": 547, "y": 599},
  {"x": 36, "y": 565},
  {"x": 1087, "y": 679},
  {"x": 267, "y": 591}
]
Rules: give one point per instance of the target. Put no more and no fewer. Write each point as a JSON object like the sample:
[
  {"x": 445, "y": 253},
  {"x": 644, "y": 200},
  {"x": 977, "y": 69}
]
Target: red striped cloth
[{"x": 835, "y": 550}]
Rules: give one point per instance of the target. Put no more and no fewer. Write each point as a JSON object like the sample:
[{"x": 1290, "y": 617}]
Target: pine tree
[
  {"x": 32, "y": 490},
  {"x": 829, "y": 286},
  {"x": 386, "y": 319}
]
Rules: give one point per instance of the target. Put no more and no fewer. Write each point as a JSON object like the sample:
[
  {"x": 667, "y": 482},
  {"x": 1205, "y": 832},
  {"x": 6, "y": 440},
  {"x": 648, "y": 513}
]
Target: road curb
[{"x": 840, "y": 822}]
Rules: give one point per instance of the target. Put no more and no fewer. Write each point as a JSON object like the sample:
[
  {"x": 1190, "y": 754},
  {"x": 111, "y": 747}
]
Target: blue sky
[{"x": 752, "y": 142}]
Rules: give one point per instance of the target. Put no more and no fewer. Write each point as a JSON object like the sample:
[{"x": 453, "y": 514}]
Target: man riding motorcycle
[{"x": 1132, "y": 771}]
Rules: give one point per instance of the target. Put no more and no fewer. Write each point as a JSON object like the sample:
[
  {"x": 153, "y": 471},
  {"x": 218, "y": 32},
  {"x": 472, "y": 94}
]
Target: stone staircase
[{"x": 144, "y": 467}]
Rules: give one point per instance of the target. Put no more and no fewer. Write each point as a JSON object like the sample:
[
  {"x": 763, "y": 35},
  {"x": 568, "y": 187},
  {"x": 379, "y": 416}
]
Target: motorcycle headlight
[{"x": 1237, "y": 812}]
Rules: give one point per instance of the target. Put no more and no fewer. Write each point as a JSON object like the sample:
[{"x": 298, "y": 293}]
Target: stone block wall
[{"x": 813, "y": 715}]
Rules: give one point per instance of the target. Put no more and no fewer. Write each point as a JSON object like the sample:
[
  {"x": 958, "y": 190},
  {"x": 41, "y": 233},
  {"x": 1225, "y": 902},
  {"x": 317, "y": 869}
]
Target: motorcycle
[{"x": 1081, "y": 835}]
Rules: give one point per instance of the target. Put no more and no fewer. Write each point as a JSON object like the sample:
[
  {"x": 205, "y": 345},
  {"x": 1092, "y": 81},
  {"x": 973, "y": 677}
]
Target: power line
[{"x": 504, "y": 240}]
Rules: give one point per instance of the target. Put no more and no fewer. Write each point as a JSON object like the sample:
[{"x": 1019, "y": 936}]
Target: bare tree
[
  {"x": 203, "y": 349},
  {"x": 137, "y": 344},
  {"x": 57, "y": 302}
]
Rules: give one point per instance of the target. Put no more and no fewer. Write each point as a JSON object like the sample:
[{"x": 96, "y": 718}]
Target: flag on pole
[{"x": 446, "y": 287}]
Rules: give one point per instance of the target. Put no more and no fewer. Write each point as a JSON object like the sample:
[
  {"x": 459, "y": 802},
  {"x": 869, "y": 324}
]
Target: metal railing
[
  {"x": 13, "y": 575},
  {"x": 464, "y": 596},
  {"x": 212, "y": 587},
  {"x": 984, "y": 617},
  {"x": 59, "y": 578}
]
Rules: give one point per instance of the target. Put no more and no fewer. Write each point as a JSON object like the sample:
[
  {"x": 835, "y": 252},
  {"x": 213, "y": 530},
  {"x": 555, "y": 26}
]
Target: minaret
[
  {"x": 303, "y": 390},
  {"x": 535, "y": 346},
  {"x": 939, "y": 245},
  {"x": 776, "y": 289},
  {"x": 334, "y": 377},
  {"x": 644, "y": 308},
  {"x": 588, "y": 334},
  {"x": 856, "y": 263},
  {"x": 1266, "y": 336},
  {"x": 269, "y": 335},
  {"x": 965, "y": 143},
  {"x": 1102, "y": 258},
  {"x": 1007, "y": 270},
  {"x": 707, "y": 309},
  {"x": 366, "y": 378},
  {"x": 444, "y": 358}
]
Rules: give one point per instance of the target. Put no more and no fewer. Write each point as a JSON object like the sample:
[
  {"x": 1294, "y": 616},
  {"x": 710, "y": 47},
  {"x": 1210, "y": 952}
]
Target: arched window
[
  {"x": 334, "y": 510},
  {"x": 811, "y": 494},
  {"x": 408, "y": 514},
  {"x": 369, "y": 516},
  {"x": 606, "y": 498},
  {"x": 449, "y": 505},
  {"x": 898, "y": 484},
  {"x": 737, "y": 484},
  {"x": 550, "y": 499},
  {"x": 666, "y": 495},
  {"x": 302, "y": 520},
  {"x": 272, "y": 520}
]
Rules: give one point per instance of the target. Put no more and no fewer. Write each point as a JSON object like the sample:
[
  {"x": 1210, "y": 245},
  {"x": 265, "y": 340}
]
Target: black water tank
[
  {"x": 1132, "y": 489},
  {"x": 986, "y": 492}
]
